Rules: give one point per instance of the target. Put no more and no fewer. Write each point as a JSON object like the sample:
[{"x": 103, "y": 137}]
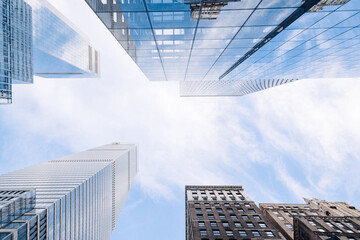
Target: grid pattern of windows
[
  {"x": 224, "y": 221},
  {"x": 77, "y": 197},
  {"x": 248, "y": 45}
]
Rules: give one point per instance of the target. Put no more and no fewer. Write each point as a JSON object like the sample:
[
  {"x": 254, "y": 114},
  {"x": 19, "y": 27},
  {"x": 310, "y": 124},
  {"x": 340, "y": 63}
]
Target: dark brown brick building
[{"x": 224, "y": 213}]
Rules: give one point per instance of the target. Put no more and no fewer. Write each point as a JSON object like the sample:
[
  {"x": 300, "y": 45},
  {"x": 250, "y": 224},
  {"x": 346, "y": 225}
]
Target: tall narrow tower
[{"x": 74, "y": 197}]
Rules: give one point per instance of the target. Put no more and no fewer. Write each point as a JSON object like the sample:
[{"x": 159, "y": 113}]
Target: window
[
  {"x": 201, "y": 224},
  {"x": 321, "y": 230},
  {"x": 249, "y": 224},
  {"x": 230, "y": 210},
  {"x": 245, "y": 217},
  {"x": 350, "y": 224},
  {"x": 281, "y": 218},
  {"x": 329, "y": 224},
  {"x": 216, "y": 232},
  {"x": 275, "y": 212},
  {"x": 227, "y": 205},
  {"x": 350, "y": 231},
  {"x": 256, "y": 217},
  {"x": 269, "y": 233},
  {"x": 222, "y": 216},
  {"x": 208, "y": 209},
  {"x": 296, "y": 208},
  {"x": 225, "y": 224},
  {"x": 270, "y": 207},
  {"x": 332, "y": 207},
  {"x": 247, "y": 205},
  {"x": 216, "y": 204},
  {"x": 197, "y": 209},
  {"x": 213, "y": 224},
  {"x": 229, "y": 233},
  {"x": 302, "y": 213},
  {"x": 288, "y": 226},
  {"x": 243, "y": 233},
  {"x": 203, "y": 232},
  {"x": 197, "y": 204},
  {"x": 262, "y": 225},
  {"x": 295, "y": 213},
  {"x": 251, "y": 210},
  {"x": 287, "y": 213},
  {"x": 352, "y": 207},
  {"x": 207, "y": 204},
  {"x": 200, "y": 216},
  {"x": 256, "y": 233},
  {"x": 314, "y": 213},
  {"x": 211, "y": 216},
  {"x": 312, "y": 223},
  {"x": 307, "y": 208},
  {"x": 240, "y": 210},
  {"x": 233, "y": 217},
  {"x": 339, "y": 224},
  {"x": 237, "y": 224},
  {"x": 237, "y": 205},
  {"x": 219, "y": 210}
]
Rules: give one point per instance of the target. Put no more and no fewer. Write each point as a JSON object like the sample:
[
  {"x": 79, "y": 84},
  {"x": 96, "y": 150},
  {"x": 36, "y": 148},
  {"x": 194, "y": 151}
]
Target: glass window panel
[{"x": 227, "y": 19}]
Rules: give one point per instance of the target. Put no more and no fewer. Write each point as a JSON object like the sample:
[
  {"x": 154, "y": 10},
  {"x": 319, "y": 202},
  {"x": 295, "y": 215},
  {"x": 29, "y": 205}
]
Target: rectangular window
[
  {"x": 233, "y": 217},
  {"x": 216, "y": 232},
  {"x": 251, "y": 210},
  {"x": 249, "y": 224},
  {"x": 208, "y": 209},
  {"x": 197, "y": 204},
  {"x": 201, "y": 224},
  {"x": 240, "y": 210},
  {"x": 213, "y": 224},
  {"x": 219, "y": 210},
  {"x": 245, "y": 217},
  {"x": 200, "y": 216},
  {"x": 211, "y": 216},
  {"x": 256, "y": 233},
  {"x": 229, "y": 233},
  {"x": 243, "y": 233},
  {"x": 230, "y": 210},
  {"x": 197, "y": 209},
  {"x": 262, "y": 225},
  {"x": 203, "y": 232},
  {"x": 281, "y": 218},
  {"x": 225, "y": 224},
  {"x": 237, "y": 224},
  {"x": 222, "y": 216},
  {"x": 288, "y": 226},
  {"x": 269, "y": 233},
  {"x": 256, "y": 217}
]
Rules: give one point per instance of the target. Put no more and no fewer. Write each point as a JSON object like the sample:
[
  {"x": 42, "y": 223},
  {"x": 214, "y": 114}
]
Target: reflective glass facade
[
  {"x": 77, "y": 197},
  {"x": 234, "y": 47},
  {"x": 58, "y": 43},
  {"x": 16, "y": 46}
]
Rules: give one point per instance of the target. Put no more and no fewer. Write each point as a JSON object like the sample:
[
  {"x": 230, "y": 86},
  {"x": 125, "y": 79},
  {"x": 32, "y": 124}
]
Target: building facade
[
  {"x": 333, "y": 208},
  {"x": 234, "y": 48},
  {"x": 326, "y": 228},
  {"x": 38, "y": 40},
  {"x": 77, "y": 197},
  {"x": 282, "y": 215},
  {"x": 224, "y": 212}
]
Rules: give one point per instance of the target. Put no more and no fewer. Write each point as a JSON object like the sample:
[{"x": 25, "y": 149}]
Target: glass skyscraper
[
  {"x": 74, "y": 197},
  {"x": 38, "y": 40},
  {"x": 236, "y": 47}
]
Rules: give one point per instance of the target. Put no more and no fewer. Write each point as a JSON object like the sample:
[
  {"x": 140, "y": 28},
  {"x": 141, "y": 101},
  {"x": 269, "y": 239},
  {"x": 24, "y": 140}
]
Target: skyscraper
[
  {"x": 233, "y": 48},
  {"x": 77, "y": 197},
  {"x": 38, "y": 40},
  {"x": 224, "y": 212}
]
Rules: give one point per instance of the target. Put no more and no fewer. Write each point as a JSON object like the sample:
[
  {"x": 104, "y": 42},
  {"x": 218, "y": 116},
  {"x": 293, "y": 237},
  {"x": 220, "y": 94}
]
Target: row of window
[
  {"x": 224, "y": 204},
  {"x": 232, "y": 216},
  {"x": 296, "y": 213},
  {"x": 338, "y": 224},
  {"x": 242, "y": 233},
  {"x": 229, "y": 210},
  {"x": 288, "y": 207},
  {"x": 237, "y": 224}
]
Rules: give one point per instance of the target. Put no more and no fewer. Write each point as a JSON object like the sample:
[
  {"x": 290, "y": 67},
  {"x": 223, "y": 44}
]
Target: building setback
[
  {"x": 74, "y": 197},
  {"x": 282, "y": 215},
  {"x": 334, "y": 208},
  {"x": 326, "y": 228},
  {"x": 224, "y": 212}
]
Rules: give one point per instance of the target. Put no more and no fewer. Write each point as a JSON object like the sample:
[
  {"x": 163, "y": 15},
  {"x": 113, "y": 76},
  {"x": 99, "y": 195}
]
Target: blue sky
[{"x": 293, "y": 141}]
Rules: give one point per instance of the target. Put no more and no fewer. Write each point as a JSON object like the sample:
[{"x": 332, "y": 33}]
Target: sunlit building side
[{"x": 79, "y": 196}]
